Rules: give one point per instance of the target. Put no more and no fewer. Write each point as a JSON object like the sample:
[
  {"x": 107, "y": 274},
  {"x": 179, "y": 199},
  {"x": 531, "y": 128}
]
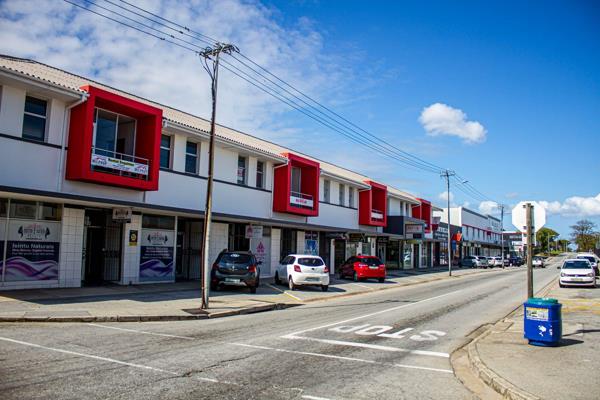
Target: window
[
  {"x": 260, "y": 174},
  {"x": 191, "y": 157},
  {"x": 23, "y": 209},
  {"x": 342, "y": 195},
  {"x": 241, "y": 170},
  {"x": 326, "y": 189},
  {"x": 50, "y": 212},
  {"x": 288, "y": 242},
  {"x": 296, "y": 180},
  {"x": 34, "y": 120},
  {"x": 158, "y": 222},
  {"x": 114, "y": 135},
  {"x": 351, "y": 197},
  {"x": 237, "y": 238},
  {"x": 165, "y": 151}
]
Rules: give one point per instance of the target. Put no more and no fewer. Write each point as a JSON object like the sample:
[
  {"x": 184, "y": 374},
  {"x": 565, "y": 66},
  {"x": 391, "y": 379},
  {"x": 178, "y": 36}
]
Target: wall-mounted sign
[
  {"x": 336, "y": 235},
  {"x": 156, "y": 255},
  {"x": 299, "y": 201},
  {"x": 376, "y": 214},
  {"x": 99, "y": 160},
  {"x": 133, "y": 237},
  {"x": 121, "y": 214},
  {"x": 413, "y": 228},
  {"x": 254, "y": 231},
  {"x": 356, "y": 237}
]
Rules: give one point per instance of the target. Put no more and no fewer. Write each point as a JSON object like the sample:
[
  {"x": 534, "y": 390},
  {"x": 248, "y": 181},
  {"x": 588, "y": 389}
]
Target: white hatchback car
[
  {"x": 577, "y": 272},
  {"x": 303, "y": 270}
]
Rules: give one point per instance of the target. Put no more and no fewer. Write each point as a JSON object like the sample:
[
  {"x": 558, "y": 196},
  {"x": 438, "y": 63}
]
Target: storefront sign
[
  {"x": 122, "y": 214},
  {"x": 33, "y": 251},
  {"x": 156, "y": 255},
  {"x": 260, "y": 248},
  {"x": 382, "y": 239},
  {"x": 336, "y": 235},
  {"x": 356, "y": 237},
  {"x": 254, "y": 231},
  {"x": 413, "y": 228},
  {"x": 133, "y": 237},
  {"x": 99, "y": 160},
  {"x": 299, "y": 201}
]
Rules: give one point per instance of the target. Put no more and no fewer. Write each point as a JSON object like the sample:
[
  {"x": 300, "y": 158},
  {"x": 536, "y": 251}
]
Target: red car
[{"x": 362, "y": 267}]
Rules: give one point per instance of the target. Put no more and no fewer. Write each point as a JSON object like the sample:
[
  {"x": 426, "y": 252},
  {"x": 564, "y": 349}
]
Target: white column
[
  {"x": 300, "y": 242},
  {"x": 275, "y": 247},
  {"x": 71, "y": 247},
  {"x": 130, "y": 272}
]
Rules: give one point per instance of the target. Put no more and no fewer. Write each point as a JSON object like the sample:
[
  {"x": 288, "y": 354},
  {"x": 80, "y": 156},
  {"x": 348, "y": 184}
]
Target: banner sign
[
  {"x": 33, "y": 250},
  {"x": 121, "y": 214},
  {"x": 254, "y": 231},
  {"x": 99, "y": 160},
  {"x": 156, "y": 255},
  {"x": 413, "y": 228},
  {"x": 299, "y": 201},
  {"x": 311, "y": 247}
]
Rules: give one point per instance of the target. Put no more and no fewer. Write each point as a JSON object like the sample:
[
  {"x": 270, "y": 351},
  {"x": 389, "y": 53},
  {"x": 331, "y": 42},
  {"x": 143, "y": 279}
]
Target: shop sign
[
  {"x": 356, "y": 237},
  {"x": 336, "y": 235},
  {"x": 413, "y": 228},
  {"x": 133, "y": 237},
  {"x": 99, "y": 160},
  {"x": 122, "y": 214},
  {"x": 382, "y": 239},
  {"x": 156, "y": 255},
  {"x": 254, "y": 232},
  {"x": 299, "y": 201}
]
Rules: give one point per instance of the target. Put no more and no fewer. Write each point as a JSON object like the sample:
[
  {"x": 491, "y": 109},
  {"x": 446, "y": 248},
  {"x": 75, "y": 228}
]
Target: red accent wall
[
  {"x": 372, "y": 199},
  {"x": 309, "y": 182},
  {"x": 424, "y": 213},
  {"x": 149, "y": 126}
]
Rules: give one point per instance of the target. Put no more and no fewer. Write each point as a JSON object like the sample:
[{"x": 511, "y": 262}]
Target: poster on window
[
  {"x": 156, "y": 256},
  {"x": 33, "y": 248},
  {"x": 311, "y": 247}
]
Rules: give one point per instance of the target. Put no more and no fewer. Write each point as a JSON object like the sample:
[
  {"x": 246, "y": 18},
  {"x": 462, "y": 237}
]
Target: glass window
[
  {"x": 158, "y": 222},
  {"x": 310, "y": 261},
  {"x": 351, "y": 197},
  {"x": 191, "y": 157},
  {"x": 126, "y": 136},
  {"x": 342, "y": 195},
  {"x": 296, "y": 180},
  {"x": 241, "y": 170},
  {"x": 326, "y": 188},
  {"x": 165, "y": 151},
  {"x": 237, "y": 238},
  {"x": 104, "y": 135},
  {"x": 288, "y": 242},
  {"x": 34, "y": 119},
  {"x": 3, "y": 207},
  {"x": 23, "y": 209},
  {"x": 260, "y": 174},
  {"x": 50, "y": 212}
]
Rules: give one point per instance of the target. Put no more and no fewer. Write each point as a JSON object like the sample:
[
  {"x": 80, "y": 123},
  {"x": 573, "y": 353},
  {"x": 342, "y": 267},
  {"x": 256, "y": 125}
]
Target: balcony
[
  {"x": 120, "y": 164},
  {"x": 296, "y": 186},
  {"x": 372, "y": 206}
]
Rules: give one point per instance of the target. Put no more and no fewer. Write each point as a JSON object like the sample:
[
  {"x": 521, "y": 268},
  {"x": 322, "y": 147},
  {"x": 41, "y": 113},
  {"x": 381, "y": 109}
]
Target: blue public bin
[{"x": 543, "y": 321}]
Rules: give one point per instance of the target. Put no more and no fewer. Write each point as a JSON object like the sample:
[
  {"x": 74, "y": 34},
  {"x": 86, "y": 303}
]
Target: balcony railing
[
  {"x": 376, "y": 214},
  {"x": 121, "y": 164},
  {"x": 301, "y": 200}
]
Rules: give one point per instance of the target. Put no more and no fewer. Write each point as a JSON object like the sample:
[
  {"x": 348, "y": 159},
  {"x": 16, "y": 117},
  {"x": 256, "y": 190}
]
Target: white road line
[
  {"x": 285, "y": 292},
  {"x": 306, "y": 353},
  {"x": 362, "y": 286},
  {"x": 371, "y": 314},
  {"x": 306, "y": 396},
  {"x": 373, "y": 346},
  {"x": 141, "y": 332}
]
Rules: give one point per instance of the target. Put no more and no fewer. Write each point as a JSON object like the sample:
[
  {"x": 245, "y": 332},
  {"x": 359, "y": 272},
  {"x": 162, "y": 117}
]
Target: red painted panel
[
  {"x": 370, "y": 200},
  {"x": 424, "y": 212},
  {"x": 149, "y": 125},
  {"x": 309, "y": 182}
]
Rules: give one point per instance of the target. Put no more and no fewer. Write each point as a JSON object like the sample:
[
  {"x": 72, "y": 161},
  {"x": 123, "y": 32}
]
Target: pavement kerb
[
  {"x": 502, "y": 386},
  {"x": 218, "y": 314}
]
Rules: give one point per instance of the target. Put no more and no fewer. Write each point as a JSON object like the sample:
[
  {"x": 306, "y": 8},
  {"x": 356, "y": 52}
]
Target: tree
[
  {"x": 563, "y": 245},
  {"x": 584, "y": 235},
  {"x": 544, "y": 237}
]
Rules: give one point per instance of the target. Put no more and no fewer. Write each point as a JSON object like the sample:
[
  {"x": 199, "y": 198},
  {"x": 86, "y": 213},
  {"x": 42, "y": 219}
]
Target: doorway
[
  {"x": 102, "y": 248},
  {"x": 189, "y": 245}
]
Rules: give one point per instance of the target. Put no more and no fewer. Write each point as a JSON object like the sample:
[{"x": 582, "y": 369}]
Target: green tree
[
  {"x": 563, "y": 245},
  {"x": 545, "y": 238},
  {"x": 584, "y": 235}
]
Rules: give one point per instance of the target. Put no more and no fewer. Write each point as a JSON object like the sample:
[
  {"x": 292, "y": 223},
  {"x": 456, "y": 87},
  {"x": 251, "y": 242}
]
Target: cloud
[
  {"x": 574, "y": 206},
  {"x": 489, "y": 207},
  {"x": 511, "y": 195},
  {"x": 441, "y": 119},
  {"x": 444, "y": 197}
]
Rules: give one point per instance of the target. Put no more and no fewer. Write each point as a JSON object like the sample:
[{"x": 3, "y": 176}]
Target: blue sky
[{"x": 526, "y": 76}]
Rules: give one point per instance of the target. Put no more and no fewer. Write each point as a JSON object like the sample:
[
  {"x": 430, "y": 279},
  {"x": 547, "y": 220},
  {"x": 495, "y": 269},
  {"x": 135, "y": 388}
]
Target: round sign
[{"x": 519, "y": 216}]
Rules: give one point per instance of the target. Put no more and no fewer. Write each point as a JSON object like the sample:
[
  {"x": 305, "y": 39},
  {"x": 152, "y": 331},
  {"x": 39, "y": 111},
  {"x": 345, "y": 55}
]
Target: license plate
[
  {"x": 577, "y": 279},
  {"x": 231, "y": 280},
  {"x": 311, "y": 279},
  {"x": 374, "y": 267}
]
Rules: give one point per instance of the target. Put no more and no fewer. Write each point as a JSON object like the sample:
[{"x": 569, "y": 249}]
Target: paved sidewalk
[
  {"x": 570, "y": 371},
  {"x": 182, "y": 300}
]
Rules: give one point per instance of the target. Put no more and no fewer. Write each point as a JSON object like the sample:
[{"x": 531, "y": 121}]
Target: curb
[{"x": 502, "y": 386}]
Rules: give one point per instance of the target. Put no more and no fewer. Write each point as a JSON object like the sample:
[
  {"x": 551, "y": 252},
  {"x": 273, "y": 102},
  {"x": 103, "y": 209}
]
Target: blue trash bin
[{"x": 543, "y": 321}]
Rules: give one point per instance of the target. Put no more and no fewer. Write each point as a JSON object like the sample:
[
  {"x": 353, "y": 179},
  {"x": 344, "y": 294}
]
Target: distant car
[
  {"x": 515, "y": 260},
  {"x": 303, "y": 270},
  {"x": 577, "y": 272},
  {"x": 474, "y": 262},
  {"x": 538, "y": 262},
  {"x": 235, "y": 268},
  {"x": 506, "y": 262},
  {"x": 363, "y": 267},
  {"x": 592, "y": 259},
  {"x": 495, "y": 261}
]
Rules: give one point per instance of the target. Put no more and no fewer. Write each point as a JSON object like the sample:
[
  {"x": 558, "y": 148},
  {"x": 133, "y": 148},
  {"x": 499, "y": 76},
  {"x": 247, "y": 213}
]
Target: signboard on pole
[{"x": 519, "y": 216}]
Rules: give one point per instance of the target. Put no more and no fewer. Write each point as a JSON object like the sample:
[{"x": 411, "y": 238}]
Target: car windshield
[
  {"x": 235, "y": 258},
  {"x": 589, "y": 258},
  {"x": 576, "y": 265},
  {"x": 310, "y": 261},
  {"x": 370, "y": 261}
]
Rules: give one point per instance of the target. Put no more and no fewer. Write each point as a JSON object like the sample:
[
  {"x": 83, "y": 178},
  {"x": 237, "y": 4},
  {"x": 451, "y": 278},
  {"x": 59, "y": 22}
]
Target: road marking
[
  {"x": 306, "y": 353},
  {"x": 371, "y": 314},
  {"x": 362, "y": 286},
  {"x": 142, "y": 332},
  {"x": 373, "y": 346},
  {"x": 285, "y": 292},
  {"x": 306, "y": 396}
]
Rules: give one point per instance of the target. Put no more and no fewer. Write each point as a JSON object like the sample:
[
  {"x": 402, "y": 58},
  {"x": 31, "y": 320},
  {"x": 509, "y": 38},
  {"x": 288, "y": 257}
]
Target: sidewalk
[
  {"x": 181, "y": 301},
  {"x": 505, "y": 361}
]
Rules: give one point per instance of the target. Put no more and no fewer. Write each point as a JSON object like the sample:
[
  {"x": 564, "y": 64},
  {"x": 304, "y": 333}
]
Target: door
[
  {"x": 103, "y": 245},
  {"x": 94, "y": 256},
  {"x": 339, "y": 253}
]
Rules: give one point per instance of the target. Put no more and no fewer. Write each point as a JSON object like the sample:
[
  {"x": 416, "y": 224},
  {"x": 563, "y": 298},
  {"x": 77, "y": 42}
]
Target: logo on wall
[
  {"x": 157, "y": 238},
  {"x": 34, "y": 232}
]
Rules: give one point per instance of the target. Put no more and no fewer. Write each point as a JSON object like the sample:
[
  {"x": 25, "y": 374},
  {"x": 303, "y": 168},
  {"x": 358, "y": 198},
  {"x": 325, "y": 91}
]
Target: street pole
[
  {"x": 502, "y": 233},
  {"x": 447, "y": 174},
  {"x": 210, "y": 54},
  {"x": 529, "y": 212}
]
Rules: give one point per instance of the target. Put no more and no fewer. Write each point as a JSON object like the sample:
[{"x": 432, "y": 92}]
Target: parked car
[
  {"x": 538, "y": 262},
  {"x": 515, "y": 260},
  {"x": 592, "y": 258},
  {"x": 473, "y": 262},
  {"x": 495, "y": 261},
  {"x": 506, "y": 262},
  {"x": 235, "y": 268},
  {"x": 577, "y": 271},
  {"x": 363, "y": 267},
  {"x": 303, "y": 270}
]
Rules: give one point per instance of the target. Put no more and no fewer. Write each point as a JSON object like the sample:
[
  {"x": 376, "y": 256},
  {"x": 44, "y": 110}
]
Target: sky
[{"x": 507, "y": 94}]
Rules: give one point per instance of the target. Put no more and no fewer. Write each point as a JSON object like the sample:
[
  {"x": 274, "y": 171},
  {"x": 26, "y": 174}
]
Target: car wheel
[
  {"x": 324, "y": 287},
  {"x": 355, "y": 277},
  {"x": 277, "y": 280},
  {"x": 381, "y": 280},
  {"x": 561, "y": 285},
  {"x": 291, "y": 283}
]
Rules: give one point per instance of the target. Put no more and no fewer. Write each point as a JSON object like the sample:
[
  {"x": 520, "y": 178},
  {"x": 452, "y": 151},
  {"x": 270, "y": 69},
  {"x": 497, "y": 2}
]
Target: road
[{"x": 393, "y": 344}]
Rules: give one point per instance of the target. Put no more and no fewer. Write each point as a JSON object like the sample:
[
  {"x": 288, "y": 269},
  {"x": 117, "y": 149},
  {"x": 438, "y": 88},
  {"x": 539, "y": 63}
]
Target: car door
[
  {"x": 289, "y": 266},
  {"x": 282, "y": 269},
  {"x": 346, "y": 266}
]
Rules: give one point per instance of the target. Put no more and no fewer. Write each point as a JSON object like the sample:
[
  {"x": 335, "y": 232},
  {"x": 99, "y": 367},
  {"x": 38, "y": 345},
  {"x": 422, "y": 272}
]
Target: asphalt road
[{"x": 393, "y": 344}]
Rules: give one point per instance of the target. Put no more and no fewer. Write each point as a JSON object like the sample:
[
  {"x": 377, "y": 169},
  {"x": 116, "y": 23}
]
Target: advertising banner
[
  {"x": 156, "y": 255},
  {"x": 33, "y": 250},
  {"x": 118, "y": 164},
  {"x": 311, "y": 247},
  {"x": 254, "y": 231}
]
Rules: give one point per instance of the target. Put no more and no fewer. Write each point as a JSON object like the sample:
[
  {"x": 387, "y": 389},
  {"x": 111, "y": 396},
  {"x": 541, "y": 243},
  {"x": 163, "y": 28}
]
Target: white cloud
[
  {"x": 441, "y": 119},
  {"x": 444, "y": 197},
  {"x": 488, "y": 207},
  {"x": 574, "y": 206}
]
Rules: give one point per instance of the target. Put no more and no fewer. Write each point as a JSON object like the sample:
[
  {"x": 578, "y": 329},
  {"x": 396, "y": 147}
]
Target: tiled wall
[
  {"x": 71, "y": 248},
  {"x": 219, "y": 239}
]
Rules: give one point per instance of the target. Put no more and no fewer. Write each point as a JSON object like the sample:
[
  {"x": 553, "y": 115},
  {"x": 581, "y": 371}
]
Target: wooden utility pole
[
  {"x": 529, "y": 219},
  {"x": 502, "y": 232},
  {"x": 211, "y": 65},
  {"x": 447, "y": 174}
]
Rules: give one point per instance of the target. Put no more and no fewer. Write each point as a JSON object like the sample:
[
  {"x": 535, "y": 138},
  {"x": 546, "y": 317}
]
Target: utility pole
[
  {"x": 529, "y": 217},
  {"x": 502, "y": 232},
  {"x": 447, "y": 174},
  {"x": 210, "y": 57}
]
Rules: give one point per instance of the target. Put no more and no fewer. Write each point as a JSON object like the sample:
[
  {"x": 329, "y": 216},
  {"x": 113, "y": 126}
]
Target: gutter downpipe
[{"x": 61, "y": 166}]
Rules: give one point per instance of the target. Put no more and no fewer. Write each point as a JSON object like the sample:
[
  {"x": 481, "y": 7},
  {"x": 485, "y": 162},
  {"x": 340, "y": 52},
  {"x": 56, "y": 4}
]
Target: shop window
[
  {"x": 342, "y": 195},
  {"x": 237, "y": 238},
  {"x": 288, "y": 242},
  {"x": 34, "y": 118},
  {"x": 241, "y": 170},
  {"x": 326, "y": 191},
  {"x": 191, "y": 157},
  {"x": 165, "y": 151},
  {"x": 23, "y": 209},
  {"x": 260, "y": 174},
  {"x": 50, "y": 212},
  {"x": 158, "y": 222}
]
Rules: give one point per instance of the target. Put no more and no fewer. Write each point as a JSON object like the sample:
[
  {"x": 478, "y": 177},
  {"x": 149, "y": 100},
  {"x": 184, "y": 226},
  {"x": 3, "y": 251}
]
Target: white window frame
[
  {"x": 44, "y": 117},
  {"x": 245, "y": 178},
  {"x": 350, "y": 196},
  {"x": 341, "y": 194},
  {"x": 196, "y": 155},
  {"x": 326, "y": 190},
  {"x": 170, "y": 148},
  {"x": 261, "y": 173},
  {"x": 135, "y": 131}
]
